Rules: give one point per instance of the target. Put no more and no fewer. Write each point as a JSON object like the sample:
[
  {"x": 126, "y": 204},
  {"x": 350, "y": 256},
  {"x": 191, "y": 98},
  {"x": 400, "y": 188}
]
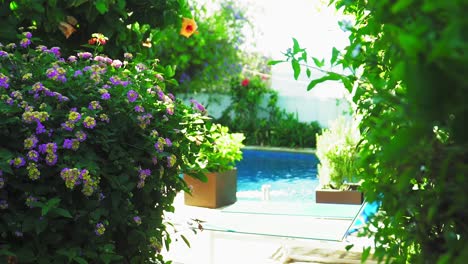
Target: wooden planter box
[
  {"x": 338, "y": 196},
  {"x": 220, "y": 190}
]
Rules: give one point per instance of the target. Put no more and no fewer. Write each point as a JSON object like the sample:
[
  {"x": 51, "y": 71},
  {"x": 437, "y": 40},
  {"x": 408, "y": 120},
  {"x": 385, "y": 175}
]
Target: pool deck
[{"x": 251, "y": 238}]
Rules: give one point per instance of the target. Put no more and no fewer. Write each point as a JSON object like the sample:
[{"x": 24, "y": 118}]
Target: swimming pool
[{"x": 290, "y": 176}]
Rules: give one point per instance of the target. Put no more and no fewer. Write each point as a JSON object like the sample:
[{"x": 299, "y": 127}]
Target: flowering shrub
[
  {"x": 90, "y": 157},
  {"x": 206, "y": 61}
]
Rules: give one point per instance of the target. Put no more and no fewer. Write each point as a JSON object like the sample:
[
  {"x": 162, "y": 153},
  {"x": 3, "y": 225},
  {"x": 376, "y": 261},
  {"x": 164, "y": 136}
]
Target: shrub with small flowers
[{"x": 90, "y": 157}]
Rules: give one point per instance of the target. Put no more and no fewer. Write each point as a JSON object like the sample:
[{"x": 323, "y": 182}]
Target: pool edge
[{"x": 281, "y": 149}]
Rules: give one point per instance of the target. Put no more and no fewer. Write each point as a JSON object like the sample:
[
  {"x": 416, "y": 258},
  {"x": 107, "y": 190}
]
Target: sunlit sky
[
  {"x": 312, "y": 22},
  {"x": 276, "y": 22}
]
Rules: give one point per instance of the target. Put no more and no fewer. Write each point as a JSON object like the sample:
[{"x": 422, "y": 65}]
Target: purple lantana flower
[
  {"x": 17, "y": 162},
  {"x": 24, "y": 43},
  {"x": 84, "y": 55},
  {"x": 33, "y": 155},
  {"x": 132, "y": 96},
  {"x": 77, "y": 73},
  {"x": 94, "y": 105},
  {"x": 137, "y": 220},
  {"x": 51, "y": 159},
  {"x": 80, "y": 136},
  {"x": 30, "y": 142},
  {"x": 105, "y": 96},
  {"x": 89, "y": 122},
  {"x": 4, "y": 81},
  {"x": 100, "y": 229},
  {"x": 139, "y": 108},
  {"x": 40, "y": 128},
  {"x": 67, "y": 143}
]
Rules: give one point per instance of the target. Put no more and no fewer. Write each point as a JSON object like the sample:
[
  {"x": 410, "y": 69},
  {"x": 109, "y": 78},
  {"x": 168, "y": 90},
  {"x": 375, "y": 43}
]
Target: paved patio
[{"x": 259, "y": 238}]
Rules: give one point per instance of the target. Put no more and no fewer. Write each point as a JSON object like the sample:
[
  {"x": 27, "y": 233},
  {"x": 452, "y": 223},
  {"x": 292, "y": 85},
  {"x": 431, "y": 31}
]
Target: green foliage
[
  {"x": 337, "y": 151},
  {"x": 408, "y": 61},
  {"x": 91, "y": 150},
  {"x": 206, "y": 60},
  {"x": 127, "y": 23},
  {"x": 254, "y": 112},
  {"x": 221, "y": 149}
]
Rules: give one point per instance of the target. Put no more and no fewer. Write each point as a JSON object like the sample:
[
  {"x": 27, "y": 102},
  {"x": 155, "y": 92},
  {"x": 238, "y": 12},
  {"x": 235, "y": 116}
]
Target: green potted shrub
[
  {"x": 337, "y": 171},
  {"x": 218, "y": 155}
]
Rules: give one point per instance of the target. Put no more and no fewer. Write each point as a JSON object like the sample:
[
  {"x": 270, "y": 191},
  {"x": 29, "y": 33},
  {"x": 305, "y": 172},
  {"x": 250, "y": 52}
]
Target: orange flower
[{"x": 189, "y": 26}]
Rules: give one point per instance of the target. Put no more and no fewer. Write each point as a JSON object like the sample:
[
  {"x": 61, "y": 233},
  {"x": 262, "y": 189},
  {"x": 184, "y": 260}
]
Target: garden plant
[
  {"x": 337, "y": 150},
  {"x": 92, "y": 149},
  {"x": 406, "y": 64},
  {"x": 206, "y": 61},
  {"x": 254, "y": 111},
  {"x": 128, "y": 24}
]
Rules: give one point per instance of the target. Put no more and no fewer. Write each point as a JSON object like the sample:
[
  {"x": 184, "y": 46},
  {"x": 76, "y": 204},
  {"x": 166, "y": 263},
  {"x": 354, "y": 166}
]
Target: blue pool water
[{"x": 290, "y": 176}]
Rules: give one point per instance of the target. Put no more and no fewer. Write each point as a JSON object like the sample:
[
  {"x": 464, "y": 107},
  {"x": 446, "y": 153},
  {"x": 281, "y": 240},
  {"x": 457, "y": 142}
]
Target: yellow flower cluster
[
  {"x": 31, "y": 116},
  {"x": 89, "y": 184},
  {"x": 33, "y": 172}
]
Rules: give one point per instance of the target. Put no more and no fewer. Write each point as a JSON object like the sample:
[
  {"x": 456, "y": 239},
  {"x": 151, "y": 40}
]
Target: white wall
[{"x": 315, "y": 105}]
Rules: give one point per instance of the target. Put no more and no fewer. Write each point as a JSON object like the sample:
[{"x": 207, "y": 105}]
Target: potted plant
[
  {"x": 337, "y": 171},
  {"x": 218, "y": 186}
]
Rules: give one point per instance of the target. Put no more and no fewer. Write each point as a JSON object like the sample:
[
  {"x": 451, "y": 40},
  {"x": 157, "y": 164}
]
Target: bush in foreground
[{"x": 90, "y": 157}]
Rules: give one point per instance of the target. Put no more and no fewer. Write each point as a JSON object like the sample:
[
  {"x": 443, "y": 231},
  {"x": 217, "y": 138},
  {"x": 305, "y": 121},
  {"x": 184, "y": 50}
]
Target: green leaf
[
  {"x": 52, "y": 3},
  {"x": 296, "y": 67},
  {"x": 170, "y": 71},
  {"x": 80, "y": 260},
  {"x": 274, "y": 62},
  {"x": 52, "y": 203},
  {"x": 76, "y": 3},
  {"x": 347, "y": 83},
  {"x": 37, "y": 7},
  {"x": 296, "y": 47},
  {"x": 308, "y": 72},
  {"x": 410, "y": 43},
  {"x": 444, "y": 259},
  {"x": 319, "y": 63},
  {"x": 400, "y": 5},
  {"x": 348, "y": 247},
  {"x": 13, "y": 6},
  {"x": 41, "y": 225},
  {"x": 109, "y": 258},
  {"x": 304, "y": 56},
  {"x": 330, "y": 77},
  {"x": 70, "y": 253},
  {"x": 61, "y": 212},
  {"x": 101, "y": 6},
  {"x": 365, "y": 254},
  {"x": 185, "y": 240},
  {"x": 335, "y": 53}
]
